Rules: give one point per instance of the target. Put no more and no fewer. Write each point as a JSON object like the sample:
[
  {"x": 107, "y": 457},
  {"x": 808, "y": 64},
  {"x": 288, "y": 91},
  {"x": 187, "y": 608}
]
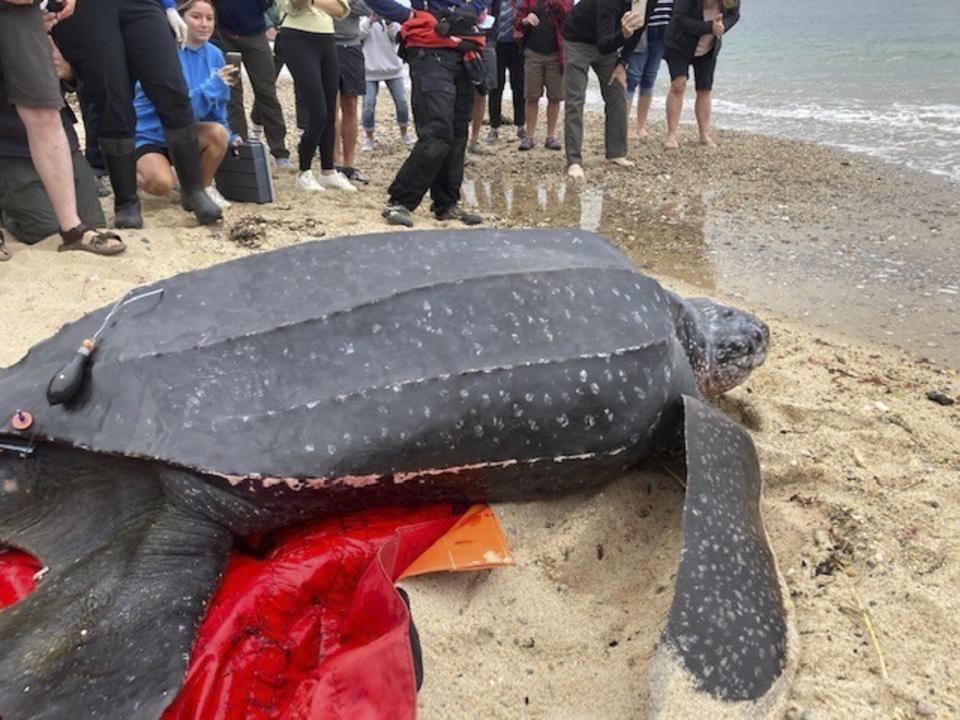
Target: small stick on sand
[
  {"x": 676, "y": 477},
  {"x": 868, "y": 624}
]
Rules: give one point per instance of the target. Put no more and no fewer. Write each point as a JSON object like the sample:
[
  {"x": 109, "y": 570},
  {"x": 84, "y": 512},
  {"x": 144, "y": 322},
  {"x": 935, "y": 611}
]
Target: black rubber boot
[
  {"x": 184, "y": 152},
  {"x": 120, "y": 157}
]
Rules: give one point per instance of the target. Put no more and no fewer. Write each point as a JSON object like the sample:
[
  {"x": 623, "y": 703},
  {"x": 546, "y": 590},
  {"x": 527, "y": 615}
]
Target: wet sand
[{"x": 862, "y": 498}]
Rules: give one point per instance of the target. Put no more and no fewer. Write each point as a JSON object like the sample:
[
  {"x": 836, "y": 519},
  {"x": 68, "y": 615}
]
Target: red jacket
[
  {"x": 419, "y": 31},
  {"x": 557, "y": 10}
]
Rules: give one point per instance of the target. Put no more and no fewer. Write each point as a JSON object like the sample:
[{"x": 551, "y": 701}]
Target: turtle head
[{"x": 724, "y": 344}]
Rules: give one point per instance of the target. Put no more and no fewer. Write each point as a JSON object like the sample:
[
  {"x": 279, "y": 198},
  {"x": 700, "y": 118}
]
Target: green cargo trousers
[
  {"x": 578, "y": 59},
  {"x": 25, "y": 209}
]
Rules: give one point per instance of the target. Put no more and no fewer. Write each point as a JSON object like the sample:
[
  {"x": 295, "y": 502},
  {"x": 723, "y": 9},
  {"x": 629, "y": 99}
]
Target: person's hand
[
  {"x": 229, "y": 74},
  {"x": 237, "y": 141},
  {"x": 630, "y": 23},
  {"x": 271, "y": 34},
  {"x": 619, "y": 76},
  {"x": 60, "y": 65},
  {"x": 49, "y": 20},
  {"x": 532, "y": 20},
  {"x": 177, "y": 24},
  {"x": 68, "y": 7},
  {"x": 718, "y": 28}
]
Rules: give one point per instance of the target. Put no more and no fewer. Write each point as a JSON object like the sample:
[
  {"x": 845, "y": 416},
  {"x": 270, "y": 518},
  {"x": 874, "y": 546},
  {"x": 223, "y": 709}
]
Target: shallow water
[{"x": 894, "y": 291}]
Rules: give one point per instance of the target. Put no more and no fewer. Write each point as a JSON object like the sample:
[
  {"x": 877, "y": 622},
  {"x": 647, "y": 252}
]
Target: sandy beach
[{"x": 862, "y": 469}]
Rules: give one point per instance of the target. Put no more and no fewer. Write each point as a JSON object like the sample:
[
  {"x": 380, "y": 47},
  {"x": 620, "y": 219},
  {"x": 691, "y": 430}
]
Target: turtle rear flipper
[
  {"x": 724, "y": 652},
  {"x": 108, "y": 630}
]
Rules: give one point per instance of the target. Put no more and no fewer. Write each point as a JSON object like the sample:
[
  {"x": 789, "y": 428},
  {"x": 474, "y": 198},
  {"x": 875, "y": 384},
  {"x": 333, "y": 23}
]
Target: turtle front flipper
[
  {"x": 108, "y": 630},
  {"x": 728, "y": 646}
]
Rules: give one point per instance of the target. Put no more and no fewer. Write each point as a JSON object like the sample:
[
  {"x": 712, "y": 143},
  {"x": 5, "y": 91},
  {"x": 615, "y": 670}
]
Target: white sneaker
[
  {"x": 220, "y": 201},
  {"x": 256, "y": 132},
  {"x": 367, "y": 145},
  {"x": 408, "y": 139},
  {"x": 308, "y": 181},
  {"x": 285, "y": 164},
  {"x": 335, "y": 181}
]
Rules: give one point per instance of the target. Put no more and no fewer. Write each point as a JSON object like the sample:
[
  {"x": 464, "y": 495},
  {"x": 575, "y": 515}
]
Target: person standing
[
  {"x": 541, "y": 22},
  {"x": 645, "y": 63},
  {"x": 489, "y": 84},
  {"x": 382, "y": 64},
  {"x": 30, "y": 84},
  {"x": 208, "y": 80},
  {"x": 509, "y": 59},
  {"x": 593, "y": 33},
  {"x": 443, "y": 69},
  {"x": 310, "y": 53},
  {"x": 353, "y": 85},
  {"x": 242, "y": 28},
  {"x": 693, "y": 38},
  {"x": 111, "y": 45}
]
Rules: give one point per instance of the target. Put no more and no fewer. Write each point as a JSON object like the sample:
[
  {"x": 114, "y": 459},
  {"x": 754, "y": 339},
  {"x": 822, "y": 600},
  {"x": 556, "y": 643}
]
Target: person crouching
[{"x": 209, "y": 81}]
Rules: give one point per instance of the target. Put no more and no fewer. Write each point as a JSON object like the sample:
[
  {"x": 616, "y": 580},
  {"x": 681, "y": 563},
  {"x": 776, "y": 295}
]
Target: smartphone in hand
[{"x": 235, "y": 59}]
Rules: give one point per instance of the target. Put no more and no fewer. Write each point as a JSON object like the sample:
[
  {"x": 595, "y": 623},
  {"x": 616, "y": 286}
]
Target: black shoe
[
  {"x": 352, "y": 173},
  {"x": 120, "y": 157},
  {"x": 184, "y": 149},
  {"x": 455, "y": 212},
  {"x": 397, "y": 215}
]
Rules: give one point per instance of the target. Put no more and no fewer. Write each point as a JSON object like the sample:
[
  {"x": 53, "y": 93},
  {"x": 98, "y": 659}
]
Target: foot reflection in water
[{"x": 662, "y": 238}]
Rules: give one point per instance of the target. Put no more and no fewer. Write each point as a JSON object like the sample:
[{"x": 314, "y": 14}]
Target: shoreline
[{"x": 862, "y": 471}]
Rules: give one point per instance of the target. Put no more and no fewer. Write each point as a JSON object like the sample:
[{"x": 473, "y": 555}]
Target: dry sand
[{"x": 862, "y": 498}]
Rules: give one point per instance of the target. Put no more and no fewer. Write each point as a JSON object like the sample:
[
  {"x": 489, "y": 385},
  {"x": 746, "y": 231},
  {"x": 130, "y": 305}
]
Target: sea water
[{"x": 879, "y": 77}]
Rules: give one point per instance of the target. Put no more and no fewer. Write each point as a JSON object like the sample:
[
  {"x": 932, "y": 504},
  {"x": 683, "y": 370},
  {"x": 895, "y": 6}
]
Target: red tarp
[{"x": 314, "y": 629}]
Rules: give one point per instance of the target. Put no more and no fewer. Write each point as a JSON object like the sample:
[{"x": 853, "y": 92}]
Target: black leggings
[
  {"x": 113, "y": 43},
  {"x": 312, "y": 60}
]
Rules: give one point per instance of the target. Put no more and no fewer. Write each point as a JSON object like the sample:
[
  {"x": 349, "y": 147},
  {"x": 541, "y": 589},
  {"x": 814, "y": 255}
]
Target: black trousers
[
  {"x": 313, "y": 62},
  {"x": 258, "y": 60},
  {"x": 442, "y": 99},
  {"x": 509, "y": 57},
  {"x": 112, "y": 44}
]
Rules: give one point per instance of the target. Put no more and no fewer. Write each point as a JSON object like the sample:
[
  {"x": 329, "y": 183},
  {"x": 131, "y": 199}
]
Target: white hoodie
[{"x": 380, "y": 59}]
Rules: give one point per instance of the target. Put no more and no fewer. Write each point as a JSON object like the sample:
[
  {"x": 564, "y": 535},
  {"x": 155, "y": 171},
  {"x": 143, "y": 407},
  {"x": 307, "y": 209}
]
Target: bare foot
[
  {"x": 575, "y": 171},
  {"x": 707, "y": 142},
  {"x": 640, "y": 134},
  {"x": 671, "y": 143},
  {"x": 621, "y": 162}
]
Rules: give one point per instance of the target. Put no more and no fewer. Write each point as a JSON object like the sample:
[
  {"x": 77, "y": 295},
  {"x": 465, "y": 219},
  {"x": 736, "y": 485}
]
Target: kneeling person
[
  {"x": 209, "y": 81},
  {"x": 25, "y": 207}
]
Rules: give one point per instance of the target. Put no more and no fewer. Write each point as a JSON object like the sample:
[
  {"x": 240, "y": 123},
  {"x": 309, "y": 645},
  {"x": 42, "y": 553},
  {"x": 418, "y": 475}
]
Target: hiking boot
[
  {"x": 456, "y": 212},
  {"x": 397, "y": 215},
  {"x": 528, "y": 143},
  {"x": 552, "y": 144},
  {"x": 493, "y": 136}
]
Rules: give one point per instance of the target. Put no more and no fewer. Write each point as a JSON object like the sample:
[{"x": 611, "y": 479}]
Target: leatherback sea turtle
[{"x": 383, "y": 369}]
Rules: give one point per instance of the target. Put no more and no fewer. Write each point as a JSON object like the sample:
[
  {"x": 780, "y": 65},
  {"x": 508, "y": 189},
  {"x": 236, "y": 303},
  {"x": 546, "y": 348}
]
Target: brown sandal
[
  {"x": 102, "y": 242},
  {"x": 4, "y": 255}
]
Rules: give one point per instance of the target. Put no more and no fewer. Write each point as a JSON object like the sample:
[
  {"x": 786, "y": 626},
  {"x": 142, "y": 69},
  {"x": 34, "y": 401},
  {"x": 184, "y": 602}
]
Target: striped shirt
[{"x": 661, "y": 14}]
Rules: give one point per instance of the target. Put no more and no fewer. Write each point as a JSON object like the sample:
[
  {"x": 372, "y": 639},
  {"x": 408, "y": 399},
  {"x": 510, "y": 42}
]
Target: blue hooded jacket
[{"x": 208, "y": 94}]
